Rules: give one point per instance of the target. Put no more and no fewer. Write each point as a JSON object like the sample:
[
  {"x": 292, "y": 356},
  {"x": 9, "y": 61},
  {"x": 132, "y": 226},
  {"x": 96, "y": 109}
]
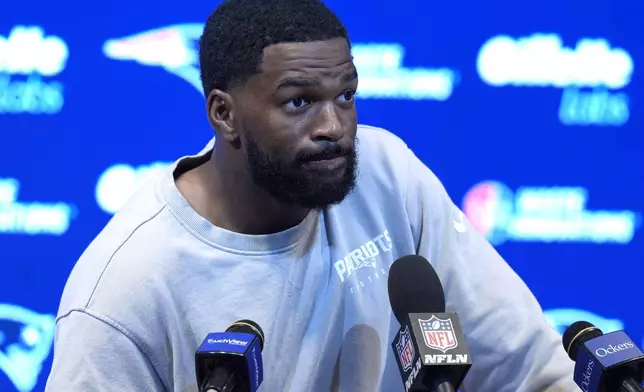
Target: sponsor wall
[{"x": 529, "y": 114}]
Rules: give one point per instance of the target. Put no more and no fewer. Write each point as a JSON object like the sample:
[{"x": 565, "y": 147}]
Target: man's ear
[{"x": 221, "y": 115}]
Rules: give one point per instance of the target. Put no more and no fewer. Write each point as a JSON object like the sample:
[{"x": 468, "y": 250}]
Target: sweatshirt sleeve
[
  {"x": 93, "y": 355},
  {"x": 513, "y": 347}
]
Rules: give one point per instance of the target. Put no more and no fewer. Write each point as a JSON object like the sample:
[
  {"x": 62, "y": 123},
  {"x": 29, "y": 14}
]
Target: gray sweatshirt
[{"x": 160, "y": 277}]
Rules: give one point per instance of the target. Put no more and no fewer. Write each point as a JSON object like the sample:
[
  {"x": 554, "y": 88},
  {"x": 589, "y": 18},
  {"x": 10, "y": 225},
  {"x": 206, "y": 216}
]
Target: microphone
[
  {"x": 430, "y": 348},
  {"x": 604, "y": 363},
  {"x": 358, "y": 361},
  {"x": 231, "y": 361}
]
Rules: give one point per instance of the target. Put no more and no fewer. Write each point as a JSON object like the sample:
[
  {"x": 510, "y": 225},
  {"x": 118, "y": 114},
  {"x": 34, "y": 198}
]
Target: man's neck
[{"x": 228, "y": 198}]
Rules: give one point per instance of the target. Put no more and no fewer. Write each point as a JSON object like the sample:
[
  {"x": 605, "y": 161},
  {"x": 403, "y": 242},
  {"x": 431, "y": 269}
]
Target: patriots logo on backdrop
[
  {"x": 26, "y": 338},
  {"x": 405, "y": 349},
  {"x": 382, "y": 73},
  {"x": 174, "y": 48},
  {"x": 438, "y": 333}
]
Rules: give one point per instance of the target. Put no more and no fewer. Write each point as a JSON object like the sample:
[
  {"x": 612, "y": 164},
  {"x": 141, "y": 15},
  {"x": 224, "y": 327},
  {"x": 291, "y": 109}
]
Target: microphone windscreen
[
  {"x": 414, "y": 287},
  {"x": 577, "y": 334},
  {"x": 248, "y": 326}
]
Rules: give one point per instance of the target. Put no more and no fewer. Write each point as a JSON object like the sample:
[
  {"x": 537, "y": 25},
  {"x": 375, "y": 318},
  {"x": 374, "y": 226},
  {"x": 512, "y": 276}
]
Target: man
[{"x": 291, "y": 217}]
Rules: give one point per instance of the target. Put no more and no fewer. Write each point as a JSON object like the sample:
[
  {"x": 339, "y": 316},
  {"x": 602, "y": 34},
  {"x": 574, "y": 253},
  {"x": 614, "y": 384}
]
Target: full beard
[{"x": 292, "y": 183}]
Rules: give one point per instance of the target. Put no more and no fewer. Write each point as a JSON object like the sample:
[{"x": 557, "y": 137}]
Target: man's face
[{"x": 298, "y": 122}]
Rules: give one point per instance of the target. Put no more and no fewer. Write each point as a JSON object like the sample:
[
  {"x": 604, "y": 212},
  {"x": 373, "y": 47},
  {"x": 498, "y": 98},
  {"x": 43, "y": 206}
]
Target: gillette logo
[
  {"x": 590, "y": 74},
  {"x": 380, "y": 66},
  {"x": 26, "y": 339},
  {"x": 233, "y": 342},
  {"x": 119, "y": 182},
  {"x": 32, "y": 218},
  {"x": 28, "y": 61}
]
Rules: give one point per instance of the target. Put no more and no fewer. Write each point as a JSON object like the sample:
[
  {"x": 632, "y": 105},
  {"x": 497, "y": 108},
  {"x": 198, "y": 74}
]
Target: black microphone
[
  {"x": 604, "y": 363},
  {"x": 359, "y": 359},
  {"x": 231, "y": 361},
  {"x": 430, "y": 348}
]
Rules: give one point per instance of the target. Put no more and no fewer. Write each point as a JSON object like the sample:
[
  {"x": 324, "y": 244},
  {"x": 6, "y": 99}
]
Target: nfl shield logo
[
  {"x": 405, "y": 349},
  {"x": 438, "y": 333}
]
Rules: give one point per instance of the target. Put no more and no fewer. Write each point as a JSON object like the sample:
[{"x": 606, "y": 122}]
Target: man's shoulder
[
  {"x": 383, "y": 167},
  {"x": 129, "y": 250},
  {"x": 383, "y": 157},
  {"x": 379, "y": 138}
]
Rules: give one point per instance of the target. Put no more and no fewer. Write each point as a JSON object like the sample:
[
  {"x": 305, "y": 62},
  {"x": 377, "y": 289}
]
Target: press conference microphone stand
[
  {"x": 630, "y": 385},
  {"x": 619, "y": 370},
  {"x": 427, "y": 332},
  {"x": 221, "y": 380},
  {"x": 440, "y": 385},
  {"x": 231, "y": 361}
]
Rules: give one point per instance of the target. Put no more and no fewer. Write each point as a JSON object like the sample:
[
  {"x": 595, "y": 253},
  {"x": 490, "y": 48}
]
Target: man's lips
[{"x": 328, "y": 164}]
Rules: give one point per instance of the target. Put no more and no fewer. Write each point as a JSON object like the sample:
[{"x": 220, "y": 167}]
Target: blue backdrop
[{"x": 530, "y": 114}]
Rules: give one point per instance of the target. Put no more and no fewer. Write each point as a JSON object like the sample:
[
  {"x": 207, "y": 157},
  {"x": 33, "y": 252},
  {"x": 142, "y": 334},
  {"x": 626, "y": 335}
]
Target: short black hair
[{"x": 236, "y": 33}]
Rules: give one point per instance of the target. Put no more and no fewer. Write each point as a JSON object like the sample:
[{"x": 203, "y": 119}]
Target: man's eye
[
  {"x": 297, "y": 103},
  {"x": 347, "y": 96}
]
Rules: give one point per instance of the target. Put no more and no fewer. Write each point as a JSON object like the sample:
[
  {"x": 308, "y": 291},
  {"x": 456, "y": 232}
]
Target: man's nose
[{"x": 327, "y": 124}]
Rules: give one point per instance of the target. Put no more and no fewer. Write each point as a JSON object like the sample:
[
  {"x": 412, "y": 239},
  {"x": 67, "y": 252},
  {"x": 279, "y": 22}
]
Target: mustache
[{"x": 328, "y": 150}]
